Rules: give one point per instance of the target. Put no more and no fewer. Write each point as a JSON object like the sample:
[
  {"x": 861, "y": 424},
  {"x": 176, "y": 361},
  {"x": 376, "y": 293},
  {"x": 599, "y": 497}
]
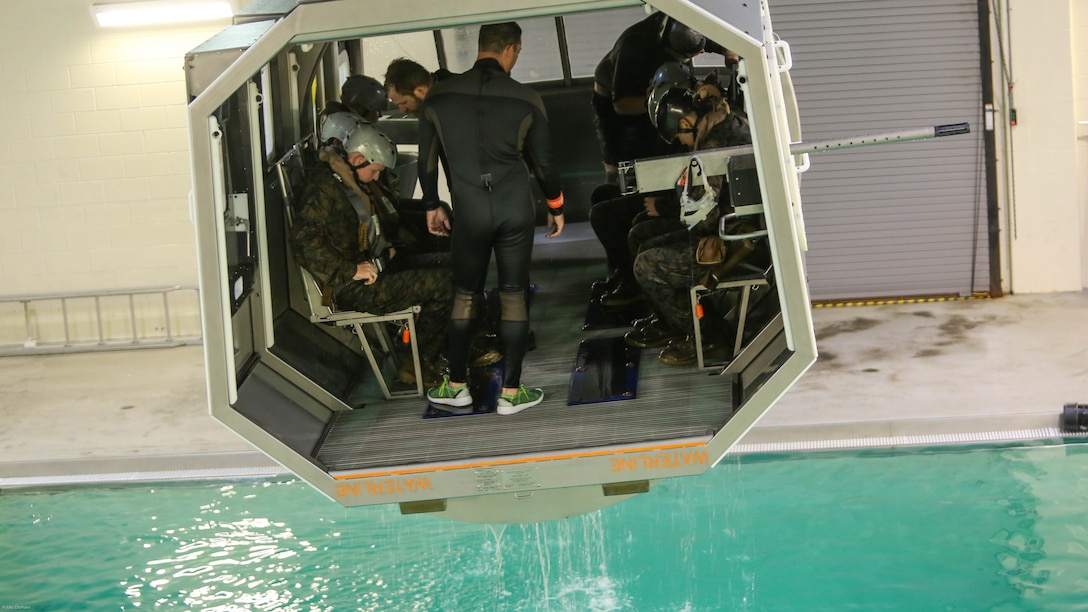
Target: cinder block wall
[{"x": 94, "y": 166}]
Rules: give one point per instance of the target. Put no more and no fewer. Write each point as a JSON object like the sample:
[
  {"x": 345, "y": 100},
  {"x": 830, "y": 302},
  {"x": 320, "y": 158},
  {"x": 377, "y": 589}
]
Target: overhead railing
[{"x": 80, "y": 322}]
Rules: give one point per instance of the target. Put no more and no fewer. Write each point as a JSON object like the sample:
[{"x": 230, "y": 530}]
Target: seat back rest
[
  {"x": 290, "y": 171},
  {"x": 319, "y": 313}
]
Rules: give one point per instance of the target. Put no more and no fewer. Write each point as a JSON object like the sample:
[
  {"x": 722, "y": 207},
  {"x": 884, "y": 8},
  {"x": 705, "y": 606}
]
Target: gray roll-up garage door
[{"x": 892, "y": 220}]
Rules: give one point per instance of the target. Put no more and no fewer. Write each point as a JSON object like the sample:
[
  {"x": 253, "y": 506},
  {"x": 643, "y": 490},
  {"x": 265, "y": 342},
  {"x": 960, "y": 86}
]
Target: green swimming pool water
[{"x": 937, "y": 529}]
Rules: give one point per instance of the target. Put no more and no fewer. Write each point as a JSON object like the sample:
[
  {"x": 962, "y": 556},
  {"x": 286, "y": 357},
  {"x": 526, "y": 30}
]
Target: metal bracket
[
  {"x": 237, "y": 213},
  {"x": 628, "y": 179}
]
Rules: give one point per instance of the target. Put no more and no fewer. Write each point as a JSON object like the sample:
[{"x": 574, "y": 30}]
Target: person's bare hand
[
  {"x": 555, "y": 224},
  {"x": 438, "y": 222},
  {"x": 366, "y": 272},
  {"x": 650, "y": 204}
]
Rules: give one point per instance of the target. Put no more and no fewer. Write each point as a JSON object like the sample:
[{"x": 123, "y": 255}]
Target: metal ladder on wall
[{"x": 35, "y": 345}]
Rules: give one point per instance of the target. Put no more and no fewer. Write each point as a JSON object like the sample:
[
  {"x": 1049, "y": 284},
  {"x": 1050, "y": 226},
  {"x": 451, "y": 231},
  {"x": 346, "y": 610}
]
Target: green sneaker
[
  {"x": 522, "y": 399},
  {"x": 446, "y": 395}
]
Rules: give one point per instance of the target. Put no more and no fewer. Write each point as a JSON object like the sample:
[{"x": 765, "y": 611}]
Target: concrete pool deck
[{"x": 911, "y": 372}]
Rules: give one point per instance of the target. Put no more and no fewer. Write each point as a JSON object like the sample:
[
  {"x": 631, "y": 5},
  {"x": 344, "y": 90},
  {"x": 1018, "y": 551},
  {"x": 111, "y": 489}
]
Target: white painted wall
[
  {"x": 1046, "y": 216},
  {"x": 94, "y": 169},
  {"x": 1079, "y": 19},
  {"x": 94, "y": 165}
]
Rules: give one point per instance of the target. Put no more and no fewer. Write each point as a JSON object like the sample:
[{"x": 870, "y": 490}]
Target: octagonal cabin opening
[{"x": 311, "y": 387}]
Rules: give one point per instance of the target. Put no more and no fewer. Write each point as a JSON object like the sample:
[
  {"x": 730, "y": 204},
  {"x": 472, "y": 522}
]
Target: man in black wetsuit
[
  {"x": 621, "y": 82},
  {"x": 491, "y": 130},
  {"x": 407, "y": 83}
]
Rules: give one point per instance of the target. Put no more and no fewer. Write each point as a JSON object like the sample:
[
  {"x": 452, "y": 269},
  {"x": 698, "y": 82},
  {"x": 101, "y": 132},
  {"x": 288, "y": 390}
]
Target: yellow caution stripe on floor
[{"x": 896, "y": 301}]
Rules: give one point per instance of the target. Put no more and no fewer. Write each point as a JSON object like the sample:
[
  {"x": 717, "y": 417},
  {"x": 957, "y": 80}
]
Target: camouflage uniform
[
  {"x": 667, "y": 272},
  {"x": 404, "y": 219},
  {"x": 666, "y": 266},
  {"x": 326, "y": 241}
]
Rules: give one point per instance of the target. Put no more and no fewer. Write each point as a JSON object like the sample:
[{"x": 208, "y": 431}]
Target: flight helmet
[
  {"x": 671, "y": 97},
  {"x": 362, "y": 92},
  {"x": 697, "y": 197},
  {"x": 373, "y": 143},
  {"x": 682, "y": 39},
  {"x": 339, "y": 125}
]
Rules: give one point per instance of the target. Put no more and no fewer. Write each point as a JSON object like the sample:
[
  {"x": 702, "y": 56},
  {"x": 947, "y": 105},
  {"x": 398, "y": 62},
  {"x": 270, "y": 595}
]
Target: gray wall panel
[{"x": 894, "y": 220}]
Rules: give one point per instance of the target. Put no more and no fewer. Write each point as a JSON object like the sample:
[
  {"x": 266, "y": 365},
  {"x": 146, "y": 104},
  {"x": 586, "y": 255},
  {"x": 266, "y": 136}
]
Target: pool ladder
[{"x": 33, "y": 305}]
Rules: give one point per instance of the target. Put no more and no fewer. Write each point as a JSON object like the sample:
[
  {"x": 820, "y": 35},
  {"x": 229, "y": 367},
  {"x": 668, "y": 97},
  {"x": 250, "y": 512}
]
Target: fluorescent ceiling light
[{"x": 158, "y": 12}]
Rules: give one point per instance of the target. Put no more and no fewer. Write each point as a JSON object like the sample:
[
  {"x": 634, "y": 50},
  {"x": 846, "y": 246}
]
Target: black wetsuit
[
  {"x": 626, "y": 71},
  {"x": 491, "y": 130}
]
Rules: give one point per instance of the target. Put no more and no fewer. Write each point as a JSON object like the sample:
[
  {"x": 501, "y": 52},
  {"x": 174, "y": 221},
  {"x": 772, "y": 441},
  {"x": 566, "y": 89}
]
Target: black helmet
[
  {"x": 674, "y": 74},
  {"x": 671, "y": 98},
  {"x": 682, "y": 39},
  {"x": 363, "y": 92}
]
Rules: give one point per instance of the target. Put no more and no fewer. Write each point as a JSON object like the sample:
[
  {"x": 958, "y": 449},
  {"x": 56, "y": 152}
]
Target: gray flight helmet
[
  {"x": 339, "y": 126},
  {"x": 372, "y": 143}
]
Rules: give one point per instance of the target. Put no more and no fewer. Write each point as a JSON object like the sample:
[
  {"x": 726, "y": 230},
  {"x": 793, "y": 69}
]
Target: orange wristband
[{"x": 557, "y": 203}]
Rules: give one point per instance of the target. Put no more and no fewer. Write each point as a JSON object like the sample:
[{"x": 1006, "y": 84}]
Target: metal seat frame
[
  {"x": 319, "y": 313},
  {"x": 745, "y": 283}
]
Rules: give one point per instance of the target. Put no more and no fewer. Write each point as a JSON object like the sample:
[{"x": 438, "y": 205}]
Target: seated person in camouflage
[
  {"x": 675, "y": 105},
  {"x": 707, "y": 122},
  {"x": 337, "y": 236},
  {"x": 667, "y": 265},
  {"x": 404, "y": 221}
]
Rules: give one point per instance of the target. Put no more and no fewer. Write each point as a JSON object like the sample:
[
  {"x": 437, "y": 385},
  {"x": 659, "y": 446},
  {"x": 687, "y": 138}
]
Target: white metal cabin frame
[{"x": 564, "y": 485}]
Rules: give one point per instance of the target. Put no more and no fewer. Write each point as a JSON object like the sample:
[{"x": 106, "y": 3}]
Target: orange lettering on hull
[
  {"x": 660, "y": 461},
  {"x": 388, "y": 486}
]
